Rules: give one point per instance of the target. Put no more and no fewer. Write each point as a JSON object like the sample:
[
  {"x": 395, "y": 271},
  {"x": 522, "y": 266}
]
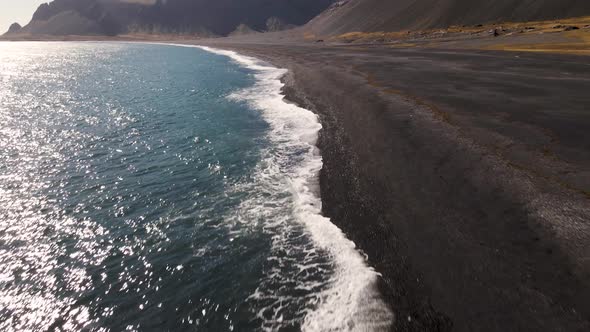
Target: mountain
[
  {"x": 218, "y": 17},
  {"x": 82, "y": 17},
  {"x": 394, "y": 15},
  {"x": 222, "y": 17},
  {"x": 14, "y": 28}
]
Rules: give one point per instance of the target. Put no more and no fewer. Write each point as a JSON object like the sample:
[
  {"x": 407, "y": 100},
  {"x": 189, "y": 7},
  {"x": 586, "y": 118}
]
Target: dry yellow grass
[
  {"x": 568, "y": 42},
  {"x": 541, "y": 48},
  {"x": 575, "y": 42},
  {"x": 537, "y": 26},
  {"x": 355, "y": 36},
  {"x": 309, "y": 36},
  {"x": 402, "y": 45}
]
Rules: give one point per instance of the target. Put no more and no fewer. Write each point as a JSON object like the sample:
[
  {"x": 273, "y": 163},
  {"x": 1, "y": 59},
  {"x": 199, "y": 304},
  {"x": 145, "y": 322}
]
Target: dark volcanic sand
[{"x": 464, "y": 175}]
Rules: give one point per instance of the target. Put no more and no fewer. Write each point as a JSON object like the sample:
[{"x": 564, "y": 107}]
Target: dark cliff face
[
  {"x": 219, "y": 17},
  {"x": 76, "y": 17},
  {"x": 223, "y": 16},
  {"x": 91, "y": 9}
]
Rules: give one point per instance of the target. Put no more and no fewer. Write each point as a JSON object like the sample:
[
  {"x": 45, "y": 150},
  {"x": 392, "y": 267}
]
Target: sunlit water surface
[{"x": 139, "y": 190}]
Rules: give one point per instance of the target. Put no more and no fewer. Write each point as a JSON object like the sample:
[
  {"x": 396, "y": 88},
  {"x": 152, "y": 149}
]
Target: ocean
[{"x": 151, "y": 187}]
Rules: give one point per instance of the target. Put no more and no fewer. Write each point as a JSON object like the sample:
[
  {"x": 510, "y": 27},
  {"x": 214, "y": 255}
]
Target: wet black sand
[{"x": 464, "y": 175}]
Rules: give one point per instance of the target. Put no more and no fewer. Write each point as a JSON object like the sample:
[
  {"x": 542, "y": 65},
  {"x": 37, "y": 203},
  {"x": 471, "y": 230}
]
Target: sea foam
[{"x": 349, "y": 299}]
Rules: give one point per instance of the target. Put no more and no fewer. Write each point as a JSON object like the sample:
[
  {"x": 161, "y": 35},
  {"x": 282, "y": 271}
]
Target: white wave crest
[{"x": 349, "y": 299}]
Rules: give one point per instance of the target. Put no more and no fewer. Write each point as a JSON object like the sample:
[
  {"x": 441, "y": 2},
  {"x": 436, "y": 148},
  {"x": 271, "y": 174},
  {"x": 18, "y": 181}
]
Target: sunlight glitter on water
[{"x": 150, "y": 187}]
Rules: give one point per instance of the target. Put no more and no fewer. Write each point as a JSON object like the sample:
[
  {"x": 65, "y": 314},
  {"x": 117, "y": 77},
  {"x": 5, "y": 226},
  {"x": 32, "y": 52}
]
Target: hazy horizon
[{"x": 20, "y": 11}]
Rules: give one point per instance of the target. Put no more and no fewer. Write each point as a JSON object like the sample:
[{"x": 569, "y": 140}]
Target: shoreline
[
  {"x": 464, "y": 238},
  {"x": 340, "y": 305},
  {"x": 462, "y": 174}
]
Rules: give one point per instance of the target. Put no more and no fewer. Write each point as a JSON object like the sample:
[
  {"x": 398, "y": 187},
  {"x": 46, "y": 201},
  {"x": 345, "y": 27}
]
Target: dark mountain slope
[
  {"x": 81, "y": 17},
  {"x": 220, "y": 17},
  {"x": 14, "y": 28},
  {"x": 394, "y": 15},
  {"x": 223, "y": 16}
]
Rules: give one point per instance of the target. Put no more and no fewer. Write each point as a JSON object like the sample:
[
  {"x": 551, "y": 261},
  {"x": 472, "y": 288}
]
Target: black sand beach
[{"x": 464, "y": 175}]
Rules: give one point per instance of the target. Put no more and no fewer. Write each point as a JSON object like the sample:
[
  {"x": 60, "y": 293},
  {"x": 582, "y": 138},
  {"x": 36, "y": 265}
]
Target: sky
[{"x": 20, "y": 11}]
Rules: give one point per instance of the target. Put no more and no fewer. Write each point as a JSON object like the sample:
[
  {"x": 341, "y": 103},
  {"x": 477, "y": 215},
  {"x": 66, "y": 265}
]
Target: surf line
[{"x": 352, "y": 301}]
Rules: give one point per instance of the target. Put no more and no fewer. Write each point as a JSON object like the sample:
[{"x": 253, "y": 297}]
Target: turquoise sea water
[{"x": 158, "y": 187}]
